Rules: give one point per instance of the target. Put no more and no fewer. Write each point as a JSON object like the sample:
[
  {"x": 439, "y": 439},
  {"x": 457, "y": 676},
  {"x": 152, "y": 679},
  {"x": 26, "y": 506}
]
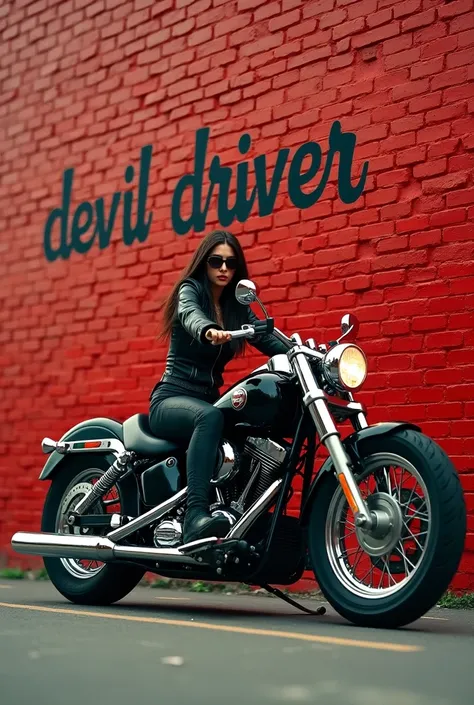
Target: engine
[
  {"x": 240, "y": 477},
  {"x": 243, "y": 476}
]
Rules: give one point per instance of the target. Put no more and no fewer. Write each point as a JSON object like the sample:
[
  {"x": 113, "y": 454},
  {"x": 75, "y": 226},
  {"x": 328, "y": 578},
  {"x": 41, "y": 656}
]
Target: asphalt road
[{"x": 182, "y": 648}]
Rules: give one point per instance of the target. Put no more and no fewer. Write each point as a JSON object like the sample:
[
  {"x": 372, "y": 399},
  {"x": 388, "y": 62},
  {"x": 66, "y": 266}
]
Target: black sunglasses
[{"x": 216, "y": 262}]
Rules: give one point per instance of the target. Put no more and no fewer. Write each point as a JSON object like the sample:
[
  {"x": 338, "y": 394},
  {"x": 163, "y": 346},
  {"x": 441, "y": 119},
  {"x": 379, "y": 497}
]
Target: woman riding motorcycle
[{"x": 197, "y": 315}]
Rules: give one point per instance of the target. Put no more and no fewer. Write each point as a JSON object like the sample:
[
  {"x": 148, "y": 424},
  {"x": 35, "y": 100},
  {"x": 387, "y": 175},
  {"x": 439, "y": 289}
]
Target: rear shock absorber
[{"x": 106, "y": 482}]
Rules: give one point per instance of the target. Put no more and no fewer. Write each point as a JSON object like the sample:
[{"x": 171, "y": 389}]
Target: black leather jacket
[{"x": 192, "y": 362}]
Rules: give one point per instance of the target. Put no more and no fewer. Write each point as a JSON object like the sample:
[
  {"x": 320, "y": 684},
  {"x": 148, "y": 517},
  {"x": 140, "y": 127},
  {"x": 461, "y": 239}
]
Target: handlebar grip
[
  {"x": 242, "y": 333},
  {"x": 265, "y": 326}
]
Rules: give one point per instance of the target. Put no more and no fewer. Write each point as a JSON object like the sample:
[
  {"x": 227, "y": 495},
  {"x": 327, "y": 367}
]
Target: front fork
[{"x": 314, "y": 400}]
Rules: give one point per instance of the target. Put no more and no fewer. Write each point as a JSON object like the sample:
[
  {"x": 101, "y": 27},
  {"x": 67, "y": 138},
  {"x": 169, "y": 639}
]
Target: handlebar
[{"x": 261, "y": 327}]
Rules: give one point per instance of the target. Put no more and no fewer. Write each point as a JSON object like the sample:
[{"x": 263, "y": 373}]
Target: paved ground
[{"x": 181, "y": 648}]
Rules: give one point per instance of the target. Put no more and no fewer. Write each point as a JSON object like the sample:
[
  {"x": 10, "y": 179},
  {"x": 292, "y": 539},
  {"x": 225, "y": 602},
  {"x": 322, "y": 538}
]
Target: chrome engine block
[{"x": 243, "y": 476}]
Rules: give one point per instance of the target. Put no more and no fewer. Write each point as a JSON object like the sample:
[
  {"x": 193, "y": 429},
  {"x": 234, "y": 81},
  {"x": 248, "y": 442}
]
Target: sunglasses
[{"x": 216, "y": 262}]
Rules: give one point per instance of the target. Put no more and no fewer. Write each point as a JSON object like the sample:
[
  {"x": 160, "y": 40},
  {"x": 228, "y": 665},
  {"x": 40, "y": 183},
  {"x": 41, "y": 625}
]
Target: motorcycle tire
[
  {"x": 113, "y": 581},
  {"x": 442, "y": 552}
]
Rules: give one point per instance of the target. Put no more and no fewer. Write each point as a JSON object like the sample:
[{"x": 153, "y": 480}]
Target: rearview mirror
[
  {"x": 349, "y": 327},
  {"x": 246, "y": 292}
]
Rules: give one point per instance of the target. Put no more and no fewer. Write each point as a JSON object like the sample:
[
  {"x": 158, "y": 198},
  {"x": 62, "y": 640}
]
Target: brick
[
  {"x": 243, "y": 5},
  {"x": 395, "y": 261},
  {"x": 465, "y": 39},
  {"x": 426, "y": 238},
  {"x": 407, "y": 124},
  {"x": 411, "y": 156},
  {"x": 459, "y": 232},
  {"x": 378, "y": 18},
  {"x": 443, "y": 148},
  {"x": 444, "y": 183},
  {"x": 358, "y": 283},
  {"x": 448, "y": 217},
  {"x": 284, "y": 20},
  {"x": 398, "y": 45},
  {"x": 402, "y": 9},
  {"x": 318, "y": 8},
  {"x": 429, "y": 323},
  {"x": 444, "y": 45},
  {"x": 455, "y": 8},
  {"x": 411, "y": 89},
  {"x": 446, "y": 113},
  {"x": 374, "y": 36},
  {"x": 397, "y": 176},
  {"x": 433, "y": 133},
  {"x": 403, "y": 58},
  {"x": 450, "y": 78},
  {"x": 394, "y": 244},
  {"x": 417, "y": 222},
  {"x": 463, "y": 126},
  {"x": 347, "y": 29},
  {"x": 334, "y": 255},
  {"x": 430, "y": 168},
  {"x": 270, "y": 9},
  {"x": 427, "y": 68},
  {"x": 421, "y": 19},
  {"x": 359, "y": 8},
  {"x": 382, "y": 196}
]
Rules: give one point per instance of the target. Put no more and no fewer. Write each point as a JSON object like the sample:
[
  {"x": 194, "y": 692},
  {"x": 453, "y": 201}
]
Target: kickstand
[{"x": 282, "y": 596}]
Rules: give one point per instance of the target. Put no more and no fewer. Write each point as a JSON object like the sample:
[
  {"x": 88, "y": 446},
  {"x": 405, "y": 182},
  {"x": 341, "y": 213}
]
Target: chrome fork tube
[{"x": 314, "y": 400}]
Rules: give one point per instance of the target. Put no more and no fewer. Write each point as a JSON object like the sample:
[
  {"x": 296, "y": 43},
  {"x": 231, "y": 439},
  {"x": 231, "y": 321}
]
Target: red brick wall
[{"x": 87, "y": 85}]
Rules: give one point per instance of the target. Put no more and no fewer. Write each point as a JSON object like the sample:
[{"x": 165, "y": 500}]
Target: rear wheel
[
  {"x": 85, "y": 581},
  {"x": 393, "y": 575}
]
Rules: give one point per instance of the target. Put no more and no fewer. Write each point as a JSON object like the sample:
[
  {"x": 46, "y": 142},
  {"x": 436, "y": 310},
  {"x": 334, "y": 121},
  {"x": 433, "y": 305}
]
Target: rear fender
[
  {"x": 98, "y": 428},
  {"x": 354, "y": 446}
]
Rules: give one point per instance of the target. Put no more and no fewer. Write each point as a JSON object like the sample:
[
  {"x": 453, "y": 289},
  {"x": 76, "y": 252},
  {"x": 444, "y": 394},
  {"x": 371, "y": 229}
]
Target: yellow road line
[
  {"x": 5, "y": 587},
  {"x": 185, "y": 599},
  {"x": 335, "y": 641}
]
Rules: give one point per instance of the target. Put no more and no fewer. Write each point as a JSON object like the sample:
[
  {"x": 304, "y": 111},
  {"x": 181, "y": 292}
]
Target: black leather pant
[{"x": 188, "y": 419}]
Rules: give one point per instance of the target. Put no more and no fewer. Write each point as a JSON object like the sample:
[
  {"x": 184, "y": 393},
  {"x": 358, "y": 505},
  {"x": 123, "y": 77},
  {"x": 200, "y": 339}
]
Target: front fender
[
  {"x": 353, "y": 445},
  {"x": 83, "y": 431}
]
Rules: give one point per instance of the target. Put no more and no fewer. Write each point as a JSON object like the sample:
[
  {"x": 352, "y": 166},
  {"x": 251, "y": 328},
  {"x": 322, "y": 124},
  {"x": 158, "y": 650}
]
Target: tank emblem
[{"x": 239, "y": 398}]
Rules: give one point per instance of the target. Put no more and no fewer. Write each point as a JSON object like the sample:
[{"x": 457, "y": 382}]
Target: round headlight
[{"x": 345, "y": 367}]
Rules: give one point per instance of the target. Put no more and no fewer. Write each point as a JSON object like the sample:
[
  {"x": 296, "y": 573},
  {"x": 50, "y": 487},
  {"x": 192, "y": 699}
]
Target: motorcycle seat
[{"x": 137, "y": 436}]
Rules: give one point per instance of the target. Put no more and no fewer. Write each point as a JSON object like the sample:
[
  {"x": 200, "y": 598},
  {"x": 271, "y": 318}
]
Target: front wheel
[
  {"x": 83, "y": 581},
  {"x": 392, "y": 575}
]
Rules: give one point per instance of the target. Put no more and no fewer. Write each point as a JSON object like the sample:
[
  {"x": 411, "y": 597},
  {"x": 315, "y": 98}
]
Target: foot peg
[{"x": 217, "y": 552}]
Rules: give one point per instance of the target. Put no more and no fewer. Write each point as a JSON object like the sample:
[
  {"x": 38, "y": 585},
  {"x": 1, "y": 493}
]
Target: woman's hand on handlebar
[{"x": 218, "y": 337}]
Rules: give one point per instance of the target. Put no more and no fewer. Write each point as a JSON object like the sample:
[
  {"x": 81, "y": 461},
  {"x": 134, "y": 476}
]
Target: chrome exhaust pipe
[
  {"x": 63, "y": 545},
  {"x": 97, "y": 548}
]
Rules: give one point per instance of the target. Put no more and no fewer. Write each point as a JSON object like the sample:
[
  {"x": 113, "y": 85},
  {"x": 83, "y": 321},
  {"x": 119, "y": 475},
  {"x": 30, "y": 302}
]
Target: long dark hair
[{"x": 234, "y": 314}]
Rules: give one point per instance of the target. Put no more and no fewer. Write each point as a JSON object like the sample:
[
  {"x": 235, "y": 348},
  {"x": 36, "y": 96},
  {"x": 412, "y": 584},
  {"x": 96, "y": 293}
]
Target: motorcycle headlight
[{"x": 345, "y": 367}]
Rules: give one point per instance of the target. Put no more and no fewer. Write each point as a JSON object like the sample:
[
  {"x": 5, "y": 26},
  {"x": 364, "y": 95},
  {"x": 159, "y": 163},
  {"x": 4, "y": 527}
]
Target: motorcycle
[{"x": 382, "y": 524}]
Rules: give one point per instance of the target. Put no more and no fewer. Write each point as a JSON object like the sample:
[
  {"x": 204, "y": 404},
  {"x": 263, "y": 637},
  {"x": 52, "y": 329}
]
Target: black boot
[{"x": 199, "y": 524}]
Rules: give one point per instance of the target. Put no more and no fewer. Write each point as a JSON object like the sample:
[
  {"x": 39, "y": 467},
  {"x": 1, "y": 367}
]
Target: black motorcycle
[{"x": 382, "y": 523}]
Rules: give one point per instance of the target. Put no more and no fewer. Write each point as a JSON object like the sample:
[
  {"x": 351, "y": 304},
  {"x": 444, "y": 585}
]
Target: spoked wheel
[
  {"x": 381, "y": 561},
  {"x": 84, "y": 568},
  {"x": 395, "y": 571},
  {"x": 85, "y": 581}
]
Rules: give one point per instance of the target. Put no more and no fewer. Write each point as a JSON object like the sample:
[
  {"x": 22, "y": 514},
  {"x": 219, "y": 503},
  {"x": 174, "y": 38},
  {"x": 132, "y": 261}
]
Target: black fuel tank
[{"x": 265, "y": 400}]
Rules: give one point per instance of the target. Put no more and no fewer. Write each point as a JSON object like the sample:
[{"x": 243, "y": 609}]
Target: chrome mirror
[
  {"x": 349, "y": 327},
  {"x": 246, "y": 292}
]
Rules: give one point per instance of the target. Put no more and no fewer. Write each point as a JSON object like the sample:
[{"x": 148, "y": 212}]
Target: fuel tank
[{"x": 266, "y": 400}]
